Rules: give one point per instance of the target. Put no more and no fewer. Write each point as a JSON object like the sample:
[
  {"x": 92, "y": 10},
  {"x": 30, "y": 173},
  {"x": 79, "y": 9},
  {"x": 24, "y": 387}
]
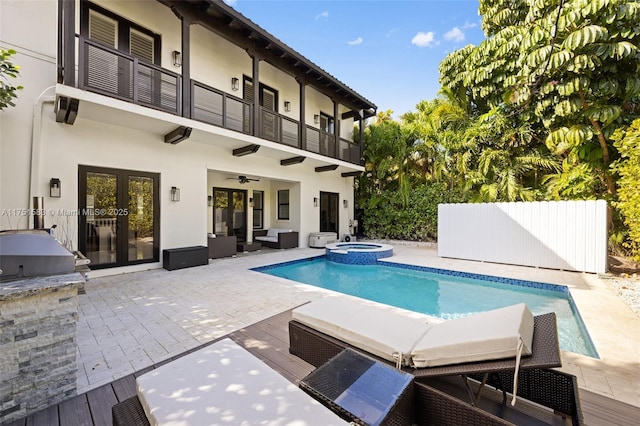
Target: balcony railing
[
  {"x": 112, "y": 73},
  {"x": 215, "y": 107},
  {"x": 109, "y": 72}
]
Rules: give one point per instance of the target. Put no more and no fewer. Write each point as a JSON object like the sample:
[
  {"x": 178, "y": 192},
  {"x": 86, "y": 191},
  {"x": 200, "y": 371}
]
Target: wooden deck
[{"x": 269, "y": 341}]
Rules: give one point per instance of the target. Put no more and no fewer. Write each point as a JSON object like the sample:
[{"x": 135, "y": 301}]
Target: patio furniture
[
  {"x": 278, "y": 238},
  {"x": 221, "y": 246},
  {"x": 219, "y": 384},
  {"x": 376, "y": 332},
  {"x": 246, "y": 246},
  {"x": 361, "y": 389},
  {"x": 184, "y": 257}
]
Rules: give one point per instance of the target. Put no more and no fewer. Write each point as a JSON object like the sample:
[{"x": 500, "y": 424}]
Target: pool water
[{"x": 440, "y": 294}]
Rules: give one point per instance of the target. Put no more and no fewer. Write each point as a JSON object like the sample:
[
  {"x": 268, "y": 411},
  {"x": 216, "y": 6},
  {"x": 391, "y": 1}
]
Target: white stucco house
[{"x": 146, "y": 125}]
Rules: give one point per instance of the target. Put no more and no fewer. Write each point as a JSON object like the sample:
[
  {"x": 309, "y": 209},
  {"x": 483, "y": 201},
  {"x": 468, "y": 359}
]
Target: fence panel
[{"x": 569, "y": 235}]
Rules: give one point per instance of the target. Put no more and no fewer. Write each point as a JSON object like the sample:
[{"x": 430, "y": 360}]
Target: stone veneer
[{"x": 38, "y": 319}]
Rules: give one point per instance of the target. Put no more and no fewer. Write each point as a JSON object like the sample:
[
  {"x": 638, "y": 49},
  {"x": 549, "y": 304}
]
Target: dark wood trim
[
  {"x": 186, "y": 67},
  {"x": 69, "y": 42},
  {"x": 255, "y": 77},
  {"x": 302, "y": 127},
  {"x": 327, "y": 168},
  {"x": 336, "y": 128}
]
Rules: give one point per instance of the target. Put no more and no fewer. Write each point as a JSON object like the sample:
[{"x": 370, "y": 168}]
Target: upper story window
[
  {"x": 105, "y": 27},
  {"x": 326, "y": 123},
  {"x": 268, "y": 96}
]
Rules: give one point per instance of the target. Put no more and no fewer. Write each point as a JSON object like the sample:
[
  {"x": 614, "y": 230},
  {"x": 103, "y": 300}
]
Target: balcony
[{"x": 112, "y": 73}]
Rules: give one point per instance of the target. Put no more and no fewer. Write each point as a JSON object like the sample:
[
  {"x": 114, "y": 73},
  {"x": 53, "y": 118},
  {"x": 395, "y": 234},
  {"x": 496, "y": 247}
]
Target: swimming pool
[{"x": 441, "y": 293}]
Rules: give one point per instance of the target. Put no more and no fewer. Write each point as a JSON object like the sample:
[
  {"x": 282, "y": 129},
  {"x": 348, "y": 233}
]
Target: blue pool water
[{"x": 440, "y": 293}]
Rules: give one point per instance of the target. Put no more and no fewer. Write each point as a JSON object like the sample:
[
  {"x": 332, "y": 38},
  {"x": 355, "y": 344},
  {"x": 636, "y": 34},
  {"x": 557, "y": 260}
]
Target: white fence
[{"x": 570, "y": 235}]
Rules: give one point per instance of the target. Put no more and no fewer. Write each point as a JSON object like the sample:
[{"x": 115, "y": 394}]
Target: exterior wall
[
  {"x": 110, "y": 136},
  {"x": 569, "y": 235}
]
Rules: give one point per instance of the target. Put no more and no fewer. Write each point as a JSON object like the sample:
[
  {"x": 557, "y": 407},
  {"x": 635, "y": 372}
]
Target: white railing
[{"x": 568, "y": 235}]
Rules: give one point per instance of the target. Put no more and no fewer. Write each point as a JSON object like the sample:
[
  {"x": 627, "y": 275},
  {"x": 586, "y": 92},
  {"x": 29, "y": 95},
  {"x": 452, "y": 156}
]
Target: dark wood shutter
[
  {"x": 103, "y": 29},
  {"x": 141, "y": 45}
]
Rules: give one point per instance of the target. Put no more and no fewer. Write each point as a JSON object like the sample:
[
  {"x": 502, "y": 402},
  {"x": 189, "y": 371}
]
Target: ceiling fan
[{"x": 243, "y": 179}]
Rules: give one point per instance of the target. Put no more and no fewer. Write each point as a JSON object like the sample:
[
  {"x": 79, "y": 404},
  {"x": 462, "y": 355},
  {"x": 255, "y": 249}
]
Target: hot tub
[{"x": 357, "y": 253}]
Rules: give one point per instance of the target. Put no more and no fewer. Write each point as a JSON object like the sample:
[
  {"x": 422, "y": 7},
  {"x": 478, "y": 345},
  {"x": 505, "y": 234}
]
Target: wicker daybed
[{"x": 537, "y": 382}]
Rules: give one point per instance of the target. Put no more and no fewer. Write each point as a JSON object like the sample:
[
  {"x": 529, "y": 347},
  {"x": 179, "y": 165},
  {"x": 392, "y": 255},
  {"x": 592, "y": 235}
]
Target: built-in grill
[{"x": 32, "y": 253}]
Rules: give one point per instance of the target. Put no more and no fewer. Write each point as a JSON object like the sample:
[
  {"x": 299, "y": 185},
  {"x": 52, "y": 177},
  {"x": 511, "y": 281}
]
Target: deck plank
[
  {"x": 100, "y": 402},
  {"x": 47, "y": 417},
  {"x": 75, "y": 412},
  {"x": 125, "y": 387}
]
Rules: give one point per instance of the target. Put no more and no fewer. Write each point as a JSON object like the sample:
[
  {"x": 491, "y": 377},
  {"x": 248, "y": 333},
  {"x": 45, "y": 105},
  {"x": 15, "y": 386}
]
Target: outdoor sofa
[
  {"x": 323, "y": 328},
  {"x": 279, "y": 238}
]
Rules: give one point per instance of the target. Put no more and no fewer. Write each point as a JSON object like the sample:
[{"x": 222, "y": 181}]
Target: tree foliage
[
  {"x": 570, "y": 69},
  {"x": 7, "y": 70},
  {"x": 627, "y": 142}
]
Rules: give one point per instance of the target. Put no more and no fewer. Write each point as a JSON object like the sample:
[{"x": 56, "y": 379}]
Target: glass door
[
  {"x": 230, "y": 212},
  {"x": 119, "y": 220},
  {"x": 329, "y": 212}
]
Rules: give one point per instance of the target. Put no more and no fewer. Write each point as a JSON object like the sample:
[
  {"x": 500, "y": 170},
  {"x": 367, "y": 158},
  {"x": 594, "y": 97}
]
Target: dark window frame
[
  {"x": 276, "y": 94},
  {"x": 259, "y": 209},
  {"x": 331, "y": 123},
  {"x": 124, "y": 30},
  {"x": 282, "y": 204}
]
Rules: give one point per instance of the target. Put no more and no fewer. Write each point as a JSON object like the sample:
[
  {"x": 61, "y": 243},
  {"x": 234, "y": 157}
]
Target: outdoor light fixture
[
  {"x": 54, "y": 188},
  {"x": 177, "y": 58},
  {"x": 287, "y": 106},
  {"x": 250, "y": 202},
  {"x": 293, "y": 160},
  {"x": 66, "y": 109},
  {"x": 178, "y": 135},
  {"x": 209, "y": 200},
  {"x": 315, "y": 201},
  {"x": 235, "y": 83},
  {"x": 316, "y": 118},
  {"x": 345, "y": 203},
  {"x": 246, "y": 150},
  {"x": 175, "y": 193}
]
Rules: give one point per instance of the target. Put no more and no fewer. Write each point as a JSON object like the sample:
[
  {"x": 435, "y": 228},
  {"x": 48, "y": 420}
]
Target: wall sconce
[
  {"x": 54, "y": 188},
  {"x": 316, "y": 118},
  {"x": 177, "y": 58},
  {"x": 209, "y": 200},
  {"x": 315, "y": 201},
  {"x": 175, "y": 193},
  {"x": 287, "y": 106},
  {"x": 250, "y": 202},
  {"x": 345, "y": 203},
  {"x": 235, "y": 83}
]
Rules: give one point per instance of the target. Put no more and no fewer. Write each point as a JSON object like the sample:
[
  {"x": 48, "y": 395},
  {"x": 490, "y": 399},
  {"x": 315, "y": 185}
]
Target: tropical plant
[
  {"x": 8, "y": 70},
  {"x": 570, "y": 69},
  {"x": 627, "y": 142}
]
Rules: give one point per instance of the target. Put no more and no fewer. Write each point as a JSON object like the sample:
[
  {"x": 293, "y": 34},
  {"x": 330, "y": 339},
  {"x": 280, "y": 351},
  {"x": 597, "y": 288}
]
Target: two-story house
[{"x": 146, "y": 125}]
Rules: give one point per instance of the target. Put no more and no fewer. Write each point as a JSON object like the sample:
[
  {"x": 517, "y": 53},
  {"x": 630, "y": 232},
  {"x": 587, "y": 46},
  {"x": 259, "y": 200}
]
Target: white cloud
[
  {"x": 455, "y": 34},
  {"x": 323, "y": 15},
  {"x": 357, "y": 41},
  {"x": 468, "y": 25},
  {"x": 424, "y": 39}
]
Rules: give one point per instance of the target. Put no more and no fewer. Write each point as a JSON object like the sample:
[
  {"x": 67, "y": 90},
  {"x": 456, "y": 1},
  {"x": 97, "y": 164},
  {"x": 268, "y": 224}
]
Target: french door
[
  {"x": 230, "y": 212},
  {"x": 329, "y": 212},
  {"x": 119, "y": 221}
]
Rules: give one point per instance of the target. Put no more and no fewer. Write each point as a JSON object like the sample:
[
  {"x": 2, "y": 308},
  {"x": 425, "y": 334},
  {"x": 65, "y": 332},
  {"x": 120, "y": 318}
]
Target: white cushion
[
  {"x": 223, "y": 384},
  {"x": 485, "y": 336},
  {"x": 270, "y": 239},
  {"x": 378, "y": 331},
  {"x": 273, "y": 232}
]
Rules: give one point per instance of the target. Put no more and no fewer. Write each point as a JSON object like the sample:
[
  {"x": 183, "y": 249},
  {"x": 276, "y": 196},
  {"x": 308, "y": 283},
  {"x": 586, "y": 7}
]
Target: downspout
[{"x": 36, "y": 142}]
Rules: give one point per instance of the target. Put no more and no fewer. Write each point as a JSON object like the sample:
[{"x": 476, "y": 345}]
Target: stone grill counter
[{"x": 38, "y": 319}]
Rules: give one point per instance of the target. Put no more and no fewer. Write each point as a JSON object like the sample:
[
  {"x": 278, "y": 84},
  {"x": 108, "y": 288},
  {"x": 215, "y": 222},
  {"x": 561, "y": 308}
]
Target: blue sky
[{"x": 386, "y": 50}]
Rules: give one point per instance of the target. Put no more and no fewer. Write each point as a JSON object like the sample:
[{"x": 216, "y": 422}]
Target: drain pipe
[{"x": 36, "y": 142}]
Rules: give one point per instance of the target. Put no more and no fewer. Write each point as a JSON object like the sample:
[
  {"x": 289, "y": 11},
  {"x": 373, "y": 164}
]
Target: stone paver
[{"x": 128, "y": 322}]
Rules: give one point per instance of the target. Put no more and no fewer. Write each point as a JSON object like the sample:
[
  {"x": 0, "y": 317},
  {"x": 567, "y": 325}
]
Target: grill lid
[{"x": 31, "y": 253}]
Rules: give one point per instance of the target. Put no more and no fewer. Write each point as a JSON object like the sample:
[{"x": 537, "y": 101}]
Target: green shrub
[
  {"x": 627, "y": 142},
  {"x": 385, "y": 218}
]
